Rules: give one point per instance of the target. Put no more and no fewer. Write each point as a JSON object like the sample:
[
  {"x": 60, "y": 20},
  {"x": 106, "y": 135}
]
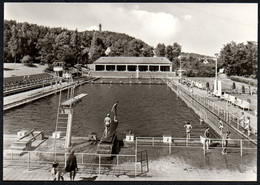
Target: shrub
[
  {"x": 207, "y": 85},
  {"x": 248, "y": 81},
  {"x": 234, "y": 86},
  {"x": 27, "y": 61},
  {"x": 243, "y": 89}
]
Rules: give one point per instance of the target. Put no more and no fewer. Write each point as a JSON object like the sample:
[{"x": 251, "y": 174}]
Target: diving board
[{"x": 73, "y": 100}]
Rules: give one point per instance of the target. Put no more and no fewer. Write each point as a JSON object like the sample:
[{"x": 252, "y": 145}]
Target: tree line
[
  {"x": 24, "y": 42},
  {"x": 27, "y": 43}
]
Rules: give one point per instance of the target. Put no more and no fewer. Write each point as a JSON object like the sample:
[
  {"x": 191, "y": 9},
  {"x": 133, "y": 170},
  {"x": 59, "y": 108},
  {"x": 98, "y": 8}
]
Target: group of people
[
  {"x": 225, "y": 136},
  {"x": 245, "y": 123},
  {"x": 71, "y": 167}
]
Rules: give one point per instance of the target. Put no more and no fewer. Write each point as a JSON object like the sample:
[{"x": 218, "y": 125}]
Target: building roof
[{"x": 132, "y": 60}]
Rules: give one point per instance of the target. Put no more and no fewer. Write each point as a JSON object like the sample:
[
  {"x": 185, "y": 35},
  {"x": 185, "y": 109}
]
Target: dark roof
[{"x": 132, "y": 60}]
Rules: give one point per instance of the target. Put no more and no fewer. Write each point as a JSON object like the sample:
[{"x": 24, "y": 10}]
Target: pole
[
  {"x": 99, "y": 164},
  {"x": 65, "y": 158},
  {"x": 170, "y": 147},
  {"x": 135, "y": 154},
  {"x": 241, "y": 147},
  {"x": 216, "y": 68},
  {"x": 28, "y": 160}
]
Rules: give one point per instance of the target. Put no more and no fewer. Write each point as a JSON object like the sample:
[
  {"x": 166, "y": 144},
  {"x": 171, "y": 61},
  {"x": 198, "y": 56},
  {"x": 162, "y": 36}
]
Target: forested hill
[
  {"x": 24, "y": 42},
  {"x": 195, "y": 55}
]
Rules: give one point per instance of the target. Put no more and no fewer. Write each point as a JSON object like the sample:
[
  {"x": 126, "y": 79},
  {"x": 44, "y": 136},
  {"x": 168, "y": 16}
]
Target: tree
[
  {"x": 75, "y": 45},
  {"x": 239, "y": 59},
  {"x": 46, "y": 48},
  {"x": 13, "y": 44},
  {"x": 147, "y": 51},
  {"x": 97, "y": 48},
  {"x": 169, "y": 52},
  {"x": 135, "y": 48},
  {"x": 160, "y": 50},
  {"x": 176, "y": 49}
]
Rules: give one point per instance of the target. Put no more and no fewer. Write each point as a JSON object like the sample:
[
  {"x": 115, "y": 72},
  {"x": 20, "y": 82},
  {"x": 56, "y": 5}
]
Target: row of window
[{"x": 131, "y": 68}]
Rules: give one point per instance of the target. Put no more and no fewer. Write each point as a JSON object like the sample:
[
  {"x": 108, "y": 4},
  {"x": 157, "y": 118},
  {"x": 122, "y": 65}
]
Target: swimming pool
[{"x": 147, "y": 110}]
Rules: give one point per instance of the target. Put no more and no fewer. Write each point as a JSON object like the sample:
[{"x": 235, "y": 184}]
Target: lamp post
[
  {"x": 216, "y": 75},
  {"x": 180, "y": 70},
  {"x": 215, "y": 91}
]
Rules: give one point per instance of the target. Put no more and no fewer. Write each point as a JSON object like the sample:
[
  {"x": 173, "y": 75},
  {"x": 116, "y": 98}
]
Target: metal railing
[
  {"x": 92, "y": 162},
  {"x": 241, "y": 145},
  {"x": 203, "y": 102}
]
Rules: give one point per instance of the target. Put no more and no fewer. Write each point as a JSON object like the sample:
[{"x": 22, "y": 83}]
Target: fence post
[
  {"x": 204, "y": 149},
  {"x": 241, "y": 147},
  {"x": 28, "y": 160},
  {"x": 153, "y": 141},
  {"x": 135, "y": 155},
  {"x": 99, "y": 164},
  {"x": 170, "y": 147},
  {"x": 65, "y": 159},
  {"x": 117, "y": 160}
]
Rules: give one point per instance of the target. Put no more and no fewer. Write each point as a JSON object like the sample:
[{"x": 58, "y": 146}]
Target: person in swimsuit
[{"x": 188, "y": 130}]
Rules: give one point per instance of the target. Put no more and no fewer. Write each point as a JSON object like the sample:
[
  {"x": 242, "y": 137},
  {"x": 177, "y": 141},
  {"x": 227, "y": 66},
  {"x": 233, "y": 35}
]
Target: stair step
[
  {"x": 18, "y": 147},
  {"x": 62, "y": 122},
  {"x": 63, "y": 114}
]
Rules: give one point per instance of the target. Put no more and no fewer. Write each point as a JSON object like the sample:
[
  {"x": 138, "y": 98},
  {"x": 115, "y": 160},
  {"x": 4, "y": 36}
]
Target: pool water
[{"x": 147, "y": 110}]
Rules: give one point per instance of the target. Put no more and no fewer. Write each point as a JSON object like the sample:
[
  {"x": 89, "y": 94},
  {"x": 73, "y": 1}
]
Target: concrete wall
[{"x": 124, "y": 74}]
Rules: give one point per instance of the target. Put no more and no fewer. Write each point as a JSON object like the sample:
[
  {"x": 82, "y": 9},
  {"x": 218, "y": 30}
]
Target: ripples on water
[{"x": 148, "y": 110}]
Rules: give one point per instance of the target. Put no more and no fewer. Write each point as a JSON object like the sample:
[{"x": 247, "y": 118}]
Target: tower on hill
[{"x": 100, "y": 27}]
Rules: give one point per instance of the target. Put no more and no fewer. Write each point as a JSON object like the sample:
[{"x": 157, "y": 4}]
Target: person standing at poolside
[
  {"x": 188, "y": 130},
  {"x": 221, "y": 126},
  {"x": 248, "y": 126},
  {"x": 206, "y": 135},
  {"x": 71, "y": 165},
  {"x": 107, "y": 122},
  {"x": 242, "y": 119},
  {"x": 56, "y": 172},
  {"x": 224, "y": 151}
]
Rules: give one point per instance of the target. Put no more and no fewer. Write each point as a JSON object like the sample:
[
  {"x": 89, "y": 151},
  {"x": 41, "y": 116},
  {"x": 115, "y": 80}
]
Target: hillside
[
  {"x": 195, "y": 55},
  {"x": 27, "y": 43}
]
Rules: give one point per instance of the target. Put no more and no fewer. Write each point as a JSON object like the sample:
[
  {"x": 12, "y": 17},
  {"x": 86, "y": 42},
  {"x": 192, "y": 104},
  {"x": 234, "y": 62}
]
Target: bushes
[
  {"x": 207, "y": 85},
  {"x": 27, "y": 61},
  {"x": 243, "y": 89},
  {"x": 248, "y": 81},
  {"x": 234, "y": 86}
]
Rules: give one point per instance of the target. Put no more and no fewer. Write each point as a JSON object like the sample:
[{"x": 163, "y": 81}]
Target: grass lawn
[{"x": 18, "y": 69}]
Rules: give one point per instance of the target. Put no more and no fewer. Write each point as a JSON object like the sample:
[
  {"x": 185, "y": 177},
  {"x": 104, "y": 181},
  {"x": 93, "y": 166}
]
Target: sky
[{"x": 202, "y": 28}]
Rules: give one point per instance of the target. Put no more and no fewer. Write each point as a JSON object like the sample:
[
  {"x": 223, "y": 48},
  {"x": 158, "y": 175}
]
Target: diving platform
[
  {"x": 73, "y": 100},
  {"x": 107, "y": 143}
]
